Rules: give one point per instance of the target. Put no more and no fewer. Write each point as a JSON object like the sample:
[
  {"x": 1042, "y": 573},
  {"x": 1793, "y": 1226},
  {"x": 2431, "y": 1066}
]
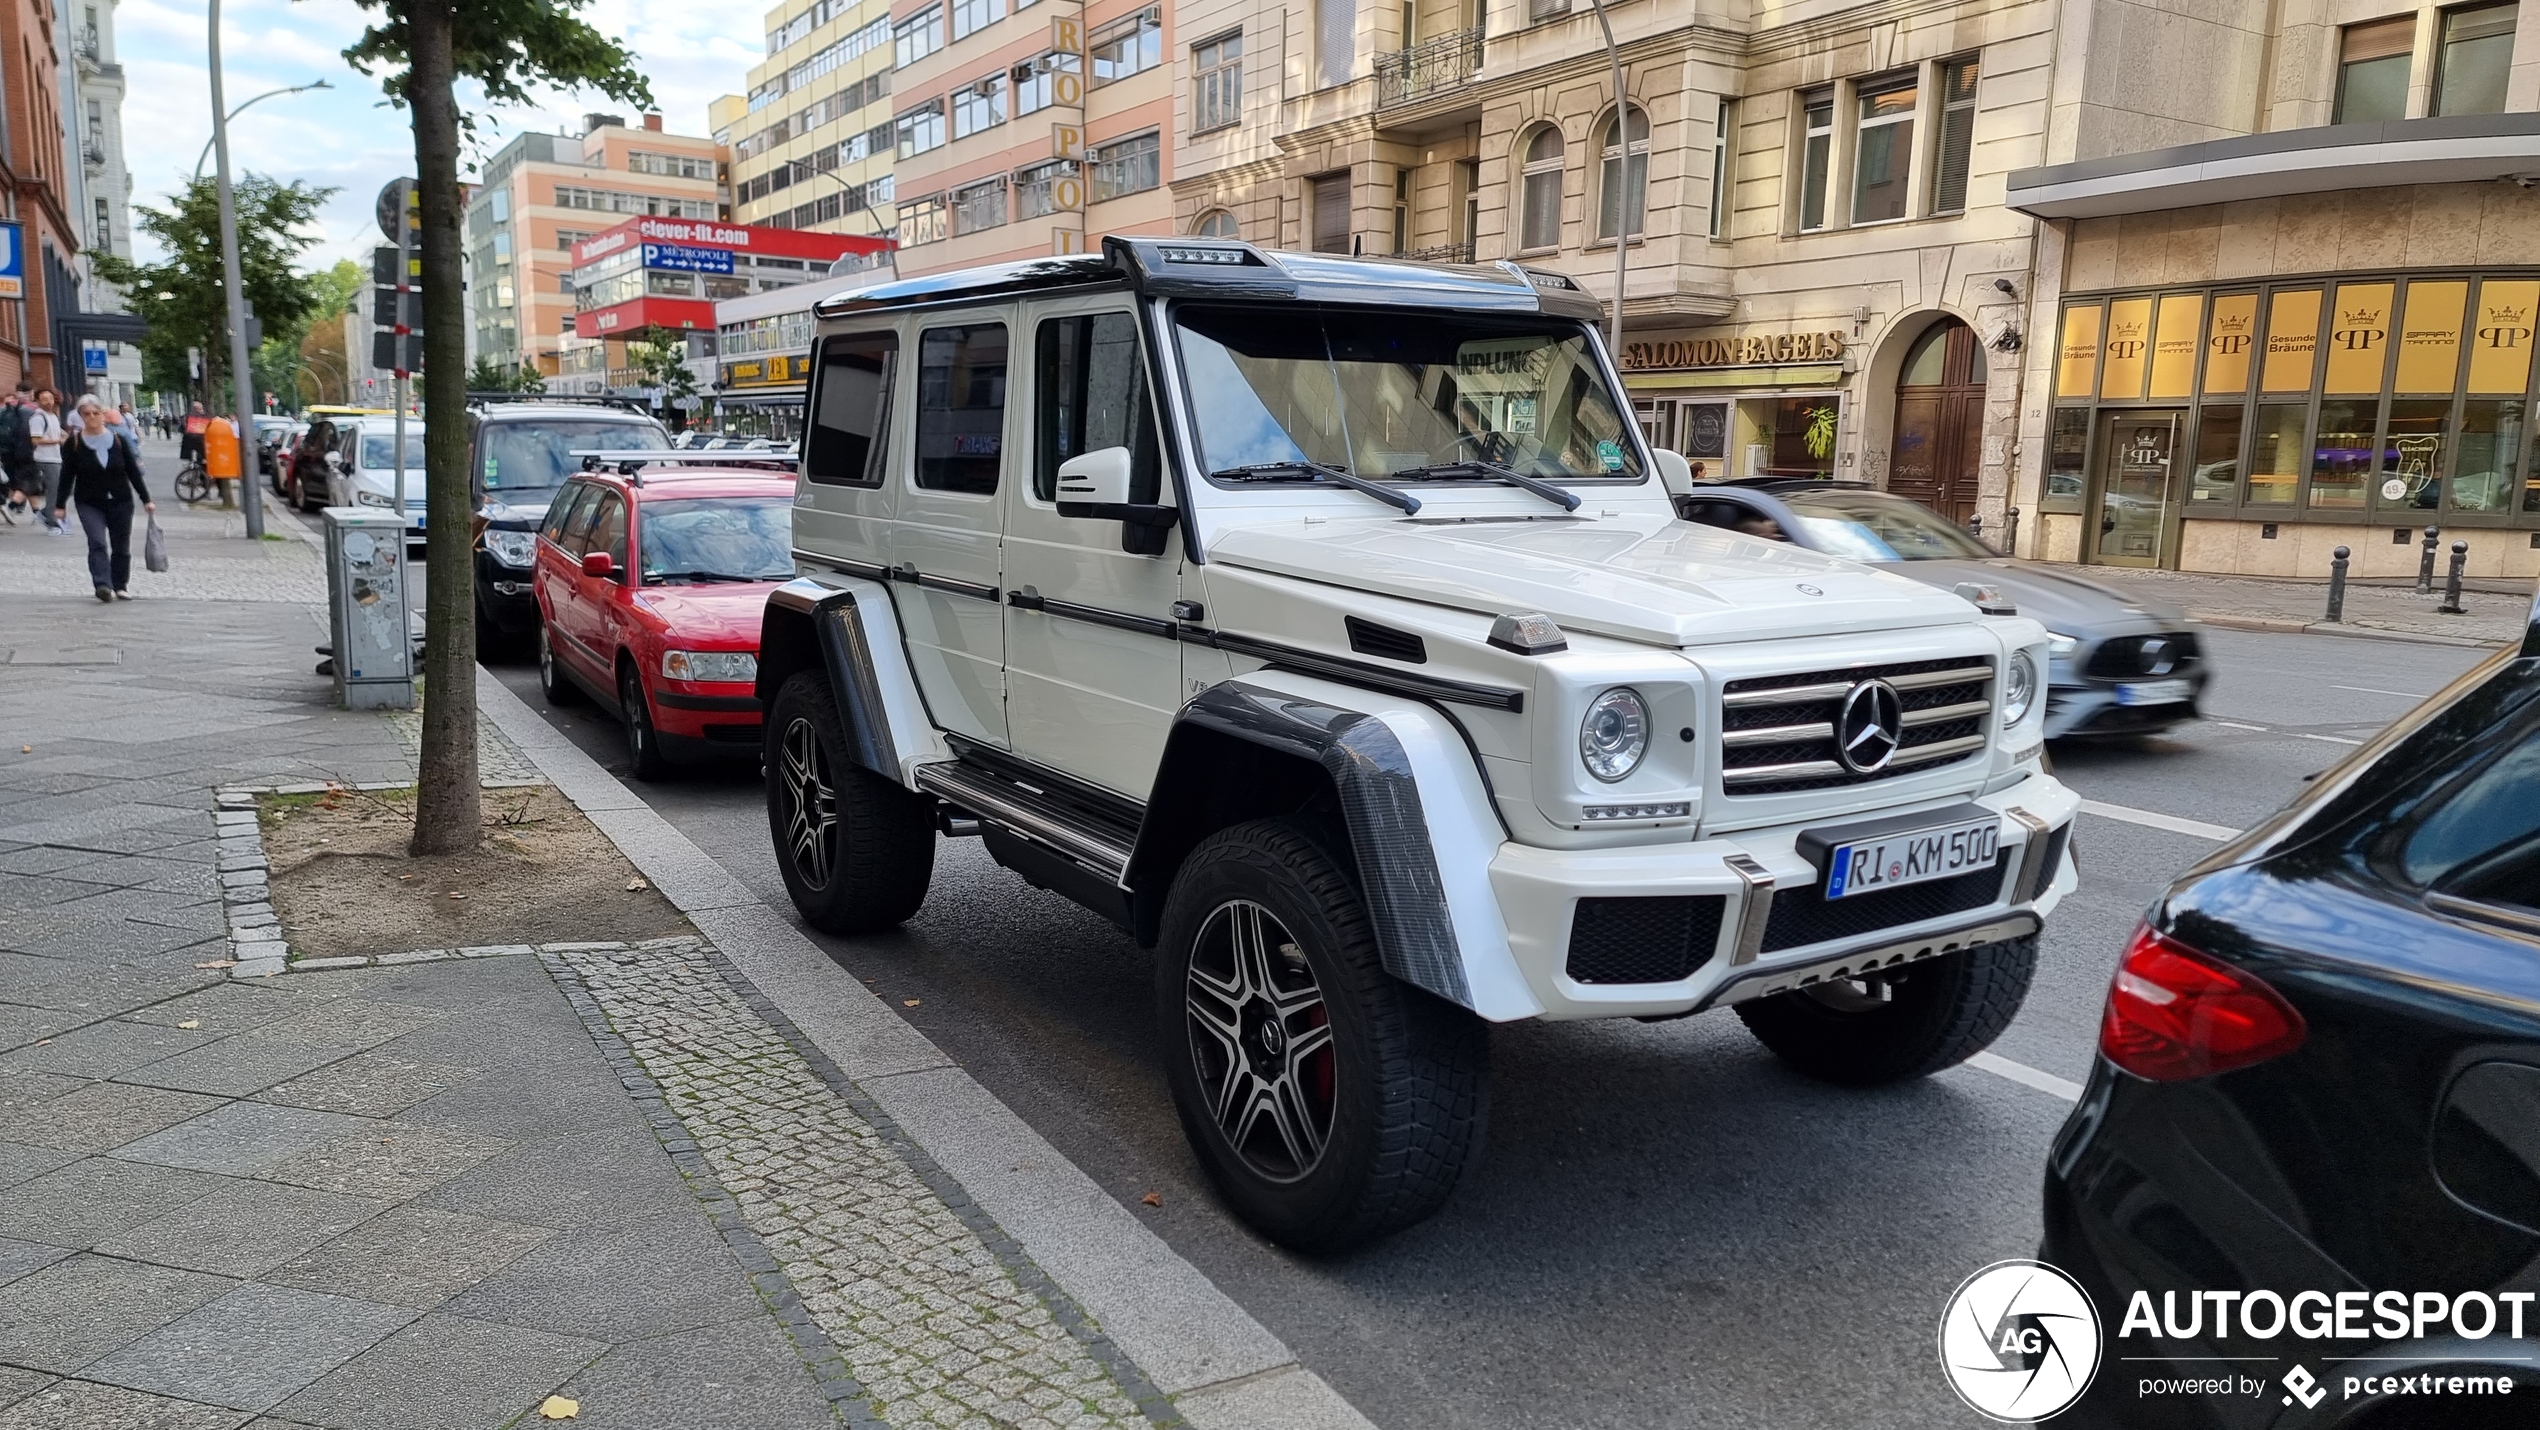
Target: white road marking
[
  {"x": 2236, "y": 725},
  {"x": 2375, "y": 690},
  {"x": 2150, "y": 820},
  {"x": 2026, "y": 1076},
  {"x": 2326, "y": 739}
]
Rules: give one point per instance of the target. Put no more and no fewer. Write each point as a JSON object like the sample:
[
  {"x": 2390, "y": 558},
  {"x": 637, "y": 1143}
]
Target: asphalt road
[{"x": 1666, "y": 1228}]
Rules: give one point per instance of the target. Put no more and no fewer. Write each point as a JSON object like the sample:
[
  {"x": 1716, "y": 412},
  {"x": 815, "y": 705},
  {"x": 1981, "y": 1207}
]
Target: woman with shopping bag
[{"x": 101, "y": 472}]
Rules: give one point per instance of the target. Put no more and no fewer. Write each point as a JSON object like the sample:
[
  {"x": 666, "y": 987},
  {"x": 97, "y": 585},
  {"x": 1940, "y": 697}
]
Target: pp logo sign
[{"x": 2019, "y": 1341}]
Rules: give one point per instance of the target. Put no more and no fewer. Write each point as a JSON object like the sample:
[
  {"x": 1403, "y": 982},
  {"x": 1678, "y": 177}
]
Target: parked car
[
  {"x": 650, "y": 582},
  {"x": 352, "y": 461},
  {"x": 2319, "y": 1071},
  {"x": 520, "y": 454},
  {"x": 2120, "y": 664},
  {"x": 1359, "y": 666},
  {"x": 271, "y": 434}
]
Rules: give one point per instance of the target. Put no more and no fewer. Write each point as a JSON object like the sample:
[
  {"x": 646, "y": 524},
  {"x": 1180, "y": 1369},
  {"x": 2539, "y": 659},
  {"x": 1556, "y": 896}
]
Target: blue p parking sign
[{"x": 12, "y": 260}]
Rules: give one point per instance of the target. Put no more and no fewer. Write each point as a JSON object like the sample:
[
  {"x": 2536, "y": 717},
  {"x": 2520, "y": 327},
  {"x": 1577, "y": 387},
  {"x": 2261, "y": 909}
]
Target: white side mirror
[
  {"x": 1674, "y": 472},
  {"x": 1097, "y": 478}
]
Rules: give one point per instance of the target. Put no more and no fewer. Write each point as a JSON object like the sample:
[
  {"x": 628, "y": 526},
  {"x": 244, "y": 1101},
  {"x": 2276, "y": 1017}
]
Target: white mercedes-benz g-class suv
[{"x": 1325, "y": 623}]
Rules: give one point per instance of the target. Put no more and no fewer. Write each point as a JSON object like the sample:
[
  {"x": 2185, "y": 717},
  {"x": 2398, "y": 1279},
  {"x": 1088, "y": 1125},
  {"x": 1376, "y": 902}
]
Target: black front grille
[
  {"x": 1647, "y": 940},
  {"x": 1805, "y": 916},
  {"x": 2162, "y": 653},
  {"x": 1817, "y": 699}
]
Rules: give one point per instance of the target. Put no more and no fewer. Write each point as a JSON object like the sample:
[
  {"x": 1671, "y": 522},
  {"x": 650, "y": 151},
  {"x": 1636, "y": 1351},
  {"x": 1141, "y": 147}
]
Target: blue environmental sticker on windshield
[{"x": 1610, "y": 452}]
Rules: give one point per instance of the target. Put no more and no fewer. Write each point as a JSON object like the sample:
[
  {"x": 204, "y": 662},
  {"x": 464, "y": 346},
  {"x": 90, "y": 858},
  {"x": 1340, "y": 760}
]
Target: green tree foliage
[
  {"x": 661, "y": 355},
  {"x": 487, "y": 375},
  {"x": 182, "y": 295},
  {"x": 505, "y": 49},
  {"x": 278, "y": 359}
]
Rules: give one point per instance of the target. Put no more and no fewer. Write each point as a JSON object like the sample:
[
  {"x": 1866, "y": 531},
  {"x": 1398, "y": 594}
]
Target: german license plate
[
  {"x": 2154, "y": 692},
  {"x": 1915, "y": 856}
]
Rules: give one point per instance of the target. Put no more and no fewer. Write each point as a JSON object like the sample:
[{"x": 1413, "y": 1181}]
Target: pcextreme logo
[{"x": 2019, "y": 1341}]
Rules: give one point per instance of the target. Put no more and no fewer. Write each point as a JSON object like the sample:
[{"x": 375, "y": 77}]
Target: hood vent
[{"x": 1384, "y": 642}]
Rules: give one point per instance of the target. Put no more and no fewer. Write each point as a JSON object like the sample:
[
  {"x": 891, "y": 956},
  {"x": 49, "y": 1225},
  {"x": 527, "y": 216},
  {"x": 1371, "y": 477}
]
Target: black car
[
  {"x": 2319, "y": 1076},
  {"x": 520, "y": 451}
]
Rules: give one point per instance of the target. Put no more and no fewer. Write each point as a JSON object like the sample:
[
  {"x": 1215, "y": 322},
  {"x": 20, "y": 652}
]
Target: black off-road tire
[
  {"x": 1408, "y": 1089},
  {"x": 1943, "y": 1011},
  {"x": 875, "y": 841},
  {"x": 554, "y": 681},
  {"x": 644, "y": 758}
]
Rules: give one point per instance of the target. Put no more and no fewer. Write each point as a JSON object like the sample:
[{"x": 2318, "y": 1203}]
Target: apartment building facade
[
  {"x": 541, "y": 194},
  {"x": 812, "y": 141},
  {"x": 2289, "y": 306},
  {"x": 98, "y": 190}
]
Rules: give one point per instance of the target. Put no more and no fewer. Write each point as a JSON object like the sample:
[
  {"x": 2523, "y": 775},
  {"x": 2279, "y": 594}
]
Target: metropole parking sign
[{"x": 12, "y": 260}]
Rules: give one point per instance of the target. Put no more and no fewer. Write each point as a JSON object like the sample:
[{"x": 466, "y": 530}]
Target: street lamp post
[
  {"x": 1622, "y": 182},
  {"x": 205, "y": 157},
  {"x": 241, "y": 376}
]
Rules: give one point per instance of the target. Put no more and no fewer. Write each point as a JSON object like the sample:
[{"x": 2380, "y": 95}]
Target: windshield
[
  {"x": 534, "y": 456},
  {"x": 379, "y": 450},
  {"x": 706, "y": 538},
  {"x": 1873, "y": 526},
  {"x": 1379, "y": 394}
]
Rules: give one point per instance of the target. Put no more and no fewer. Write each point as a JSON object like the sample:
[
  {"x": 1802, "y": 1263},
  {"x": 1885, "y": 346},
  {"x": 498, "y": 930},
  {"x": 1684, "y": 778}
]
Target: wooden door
[{"x": 1939, "y": 441}]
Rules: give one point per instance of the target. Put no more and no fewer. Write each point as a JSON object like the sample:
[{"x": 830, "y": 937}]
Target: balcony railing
[
  {"x": 1441, "y": 253},
  {"x": 1428, "y": 68}
]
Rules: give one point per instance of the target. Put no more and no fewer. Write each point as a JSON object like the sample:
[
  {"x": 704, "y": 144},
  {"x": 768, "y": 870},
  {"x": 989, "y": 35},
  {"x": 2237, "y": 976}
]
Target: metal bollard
[
  {"x": 2452, "y": 583},
  {"x": 2425, "y": 561},
  {"x": 2337, "y": 586},
  {"x": 2011, "y": 532}
]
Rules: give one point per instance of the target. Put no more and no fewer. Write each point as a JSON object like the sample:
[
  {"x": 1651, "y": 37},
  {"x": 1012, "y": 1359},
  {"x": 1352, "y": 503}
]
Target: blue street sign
[
  {"x": 683, "y": 259},
  {"x": 12, "y": 260},
  {"x": 92, "y": 357}
]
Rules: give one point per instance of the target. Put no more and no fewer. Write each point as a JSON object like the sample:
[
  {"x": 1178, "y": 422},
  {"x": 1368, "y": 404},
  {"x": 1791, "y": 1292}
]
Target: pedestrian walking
[
  {"x": 191, "y": 448},
  {"x": 105, "y": 479},
  {"x": 17, "y": 460},
  {"x": 44, "y": 433},
  {"x": 128, "y": 424}
]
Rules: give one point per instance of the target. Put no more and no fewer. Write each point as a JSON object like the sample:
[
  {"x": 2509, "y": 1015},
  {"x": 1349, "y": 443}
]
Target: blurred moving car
[
  {"x": 520, "y": 453},
  {"x": 2120, "y": 665},
  {"x": 2319, "y": 1069},
  {"x": 651, "y": 581}
]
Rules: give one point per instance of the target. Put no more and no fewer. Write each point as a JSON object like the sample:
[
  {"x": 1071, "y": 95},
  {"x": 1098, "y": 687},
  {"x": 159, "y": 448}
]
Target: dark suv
[{"x": 520, "y": 451}]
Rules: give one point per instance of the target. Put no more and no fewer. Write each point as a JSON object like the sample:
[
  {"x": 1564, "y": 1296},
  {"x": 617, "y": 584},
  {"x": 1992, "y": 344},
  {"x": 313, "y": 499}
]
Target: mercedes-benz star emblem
[
  {"x": 1806, "y": 589},
  {"x": 2157, "y": 659},
  {"x": 1871, "y": 725}
]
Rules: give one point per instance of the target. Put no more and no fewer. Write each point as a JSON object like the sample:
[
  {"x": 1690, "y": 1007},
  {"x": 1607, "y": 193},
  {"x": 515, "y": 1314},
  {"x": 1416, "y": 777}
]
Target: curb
[
  {"x": 2324, "y": 628},
  {"x": 1221, "y": 1368}
]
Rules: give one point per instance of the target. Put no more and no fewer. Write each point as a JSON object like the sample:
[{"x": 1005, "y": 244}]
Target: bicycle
[{"x": 192, "y": 486}]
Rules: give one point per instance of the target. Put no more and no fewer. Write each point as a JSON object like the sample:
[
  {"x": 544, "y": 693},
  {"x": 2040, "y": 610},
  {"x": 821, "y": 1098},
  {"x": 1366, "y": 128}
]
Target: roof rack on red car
[{"x": 631, "y": 463}]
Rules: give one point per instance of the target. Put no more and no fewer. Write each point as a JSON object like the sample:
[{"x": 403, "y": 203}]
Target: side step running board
[{"x": 1023, "y": 810}]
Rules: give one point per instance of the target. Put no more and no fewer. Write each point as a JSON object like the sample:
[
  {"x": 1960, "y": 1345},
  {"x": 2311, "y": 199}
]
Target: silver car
[{"x": 2120, "y": 665}]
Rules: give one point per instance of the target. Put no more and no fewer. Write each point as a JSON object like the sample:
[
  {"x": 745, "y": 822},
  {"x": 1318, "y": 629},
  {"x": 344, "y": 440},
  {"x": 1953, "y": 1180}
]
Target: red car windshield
[{"x": 718, "y": 539}]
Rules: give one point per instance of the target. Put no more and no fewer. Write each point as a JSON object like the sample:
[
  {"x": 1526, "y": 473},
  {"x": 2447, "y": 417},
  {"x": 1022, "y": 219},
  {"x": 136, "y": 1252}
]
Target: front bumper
[
  {"x": 505, "y": 594},
  {"x": 1538, "y": 892}
]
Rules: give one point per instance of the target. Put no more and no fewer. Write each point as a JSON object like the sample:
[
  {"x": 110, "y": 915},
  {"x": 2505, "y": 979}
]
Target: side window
[
  {"x": 560, "y": 512},
  {"x": 608, "y": 528},
  {"x": 851, "y": 409},
  {"x": 2482, "y": 841},
  {"x": 1093, "y": 394},
  {"x": 577, "y": 530},
  {"x": 961, "y": 408}
]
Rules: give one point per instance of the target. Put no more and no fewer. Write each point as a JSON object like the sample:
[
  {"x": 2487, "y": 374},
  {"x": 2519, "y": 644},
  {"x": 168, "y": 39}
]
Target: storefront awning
[
  {"x": 2324, "y": 159},
  {"x": 1723, "y": 379}
]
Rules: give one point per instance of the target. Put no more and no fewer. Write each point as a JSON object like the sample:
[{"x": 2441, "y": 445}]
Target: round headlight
[
  {"x": 2019, "y": 688},
  {"x": 1614, "y": 735}
]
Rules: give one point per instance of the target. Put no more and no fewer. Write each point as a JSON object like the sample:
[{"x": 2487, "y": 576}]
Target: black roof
[{"x": 1222, "y": 268}]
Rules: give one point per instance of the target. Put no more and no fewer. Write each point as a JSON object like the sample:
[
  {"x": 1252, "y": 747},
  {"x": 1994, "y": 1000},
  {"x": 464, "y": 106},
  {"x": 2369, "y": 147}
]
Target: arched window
[
  {"x": 1619, "y": 182},
  {"x": 1539, "y": 222},
  {"x": 1217, "y": 223}
]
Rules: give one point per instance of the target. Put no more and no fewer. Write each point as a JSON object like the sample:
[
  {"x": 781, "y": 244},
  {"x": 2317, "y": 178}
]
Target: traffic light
[{"x": 397, "y": 275}]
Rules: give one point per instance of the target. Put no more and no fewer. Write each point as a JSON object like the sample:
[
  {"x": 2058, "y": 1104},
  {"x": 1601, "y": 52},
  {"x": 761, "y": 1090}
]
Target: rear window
[
  {"x": 538, "y": 455},
  {"x": 379, "y": 450}
]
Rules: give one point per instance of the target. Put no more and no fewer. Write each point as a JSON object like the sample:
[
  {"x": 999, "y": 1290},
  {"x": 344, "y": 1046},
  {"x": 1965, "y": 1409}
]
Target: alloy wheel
[
  {"x": 811, "y": 804},
  {"x": 639, "y": 728},
  {"x": 1261, "y": 1041}
]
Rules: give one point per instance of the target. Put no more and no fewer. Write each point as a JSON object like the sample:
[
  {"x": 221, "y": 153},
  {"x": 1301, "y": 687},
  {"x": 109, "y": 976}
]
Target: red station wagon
[{"x": 650, "y": 582}]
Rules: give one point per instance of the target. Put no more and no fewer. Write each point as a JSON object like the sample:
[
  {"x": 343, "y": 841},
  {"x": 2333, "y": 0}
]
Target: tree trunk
[{"x": 446, "y": 798}]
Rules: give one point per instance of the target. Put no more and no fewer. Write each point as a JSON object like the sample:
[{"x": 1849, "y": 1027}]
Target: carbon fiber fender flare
[{"x": 809, "y": 625}]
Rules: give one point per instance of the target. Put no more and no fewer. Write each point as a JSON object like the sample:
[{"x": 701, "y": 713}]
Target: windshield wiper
[
  {"x": 1319, "y": 472},
  {"x": 1450, "y": 471},
  {"x": 656, "y": 577}
]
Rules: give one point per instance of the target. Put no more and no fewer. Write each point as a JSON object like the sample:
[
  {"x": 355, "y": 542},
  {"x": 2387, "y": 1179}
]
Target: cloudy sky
[{"x": 347, "y": 138}]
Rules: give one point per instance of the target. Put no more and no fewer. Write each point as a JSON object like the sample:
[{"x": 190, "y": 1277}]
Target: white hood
[{"x": 1638, "y": 577}]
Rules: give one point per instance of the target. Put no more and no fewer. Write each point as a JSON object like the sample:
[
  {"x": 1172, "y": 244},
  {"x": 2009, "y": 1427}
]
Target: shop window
[
  {"x": 1817, "y": 161},
  {"x": 1540, "y": 224},
  {"x": 2492, "y": 440},
  {"x": 2216, "y": 477},
  {"x": 2275, "y": 453},
  {"x": 2342, "y": 454},
  {"x": 1802, "y": 436},
  {"x": 1883, "y": 152},
  {"x": 2476, "y": 53},
  {"x": 1622, "y": 182},
  {"x": 2066, "y": 447},
  {"x": 2372, "y": 71},
  {"x": 2413, "y": 444},
  {"x": 1957, "y": 136}
]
